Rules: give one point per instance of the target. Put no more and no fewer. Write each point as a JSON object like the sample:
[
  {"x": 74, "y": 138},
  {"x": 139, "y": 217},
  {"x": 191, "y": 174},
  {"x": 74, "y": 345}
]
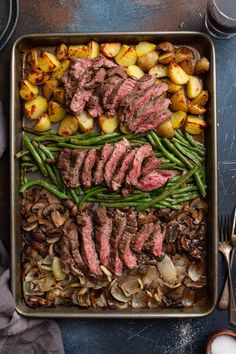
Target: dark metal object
[
  {"x": 204, "y": 46},
  {"x": 11, "y": 23}
]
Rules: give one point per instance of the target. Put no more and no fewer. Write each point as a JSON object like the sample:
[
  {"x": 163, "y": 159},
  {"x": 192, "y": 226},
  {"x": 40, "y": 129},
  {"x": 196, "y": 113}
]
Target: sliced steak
[
  {"x": 101, "y": 61},
  {"x": 135, "y": 172},
  {"x": 130, "y": 232},
  {"x": 105, "y": 154},
  {"x": 79, "y": 100},
  {"x": 150, "y": 164},
  {"x": 142, "y": 236},
  {"x": 103, "y": 230},
  {"x": 117, "y": 70},
  {"x": 153, "y": 121},
  {"x": 63, "y": 163},
  {"x": 84, "y": 220},
  {"x": 114, "y": 160},
  {"x": 76, "y": 163},
  {"x": 89, "y": 163},
  {"x": 146, "y": 81},
  {"x": 154, "y": 180},
  {"x": 78, "y": 66},
  {"x": 154, "y": 245},
  {"x": 107, "y": 87},
  {"x": 120, "y": 175},
  {"x": 96, "y": 79},
  {"x": 94, "y": 107},
  {"x": 71, "y": 231},
  {"x": 65, "y": 254}
]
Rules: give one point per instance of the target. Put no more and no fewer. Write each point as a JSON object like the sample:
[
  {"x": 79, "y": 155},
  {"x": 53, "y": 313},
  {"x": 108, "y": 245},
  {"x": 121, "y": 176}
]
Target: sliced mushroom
[
  {"x": 30, "y": 226},
  {"x": 196, "y": 271},
  {"x": 167, "y": 270},
  {"x": 140, "y": 300},
  {"x": 130, "y": 285},
  {"x": 52, "y": 207},
  {"x": 118, "y": 294}
]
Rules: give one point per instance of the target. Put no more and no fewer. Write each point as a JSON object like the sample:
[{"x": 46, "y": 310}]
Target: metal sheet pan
[{"x": 204, "y": 45}]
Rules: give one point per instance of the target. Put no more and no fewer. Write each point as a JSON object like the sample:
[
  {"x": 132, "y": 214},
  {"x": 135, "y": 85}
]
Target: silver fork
[{"x": 225, "y": 247}]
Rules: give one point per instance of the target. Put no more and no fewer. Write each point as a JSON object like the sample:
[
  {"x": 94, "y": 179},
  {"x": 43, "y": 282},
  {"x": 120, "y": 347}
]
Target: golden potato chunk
[
  {"x": 177, "y": 74},
  {"x": 42, "y": 123},
  {"x": 134, "y": 71},
  {"x": 59, "y": 94},
  {"x": 148, "y": 61},
  {"x": 61, "y": 51},
  {"x": 108, "y": 124},
  {"x": 194, "y": 125},
  {"x": 32, "y": 58},
  {"x": 35, "y": 107},
  {"x": 86, "y": 122},
  {"x": 178, "y": 119},
  {"x": 61, "y": 70},
  {"x": 110, "y": 50},
  {"x": 144, "y": 48},
  {"x": 124, "y": 129},
  {"x": 172, "y": 88},
  {"x": 182, "y": 54},
  {"x": 179, "y": 101},
  {"x": 48, "y": 62},
  {"x": 93, "y": 49},
  {"x": 48, "y": 87},
  {"x": 56, "y": 112},
  {"x": 196, "y": 108},
  {"x": 68, "y": 126},
  {"x": 37, "y": 77},
  {"x": 188, "y": 66},
  {"x": 126, "y": 56},
  {"x": 166, "y": 58},
  {"x": 27, "y": 90},
  {"x": 165, "y": 130},
  {"x": 159, "y": 70},
  {"x": 201, "y": 99},
  {"x": 166, "y": 47},
  {"x": 78, "y": 51},
  {"x": 194, "y": 86},
  {"x": 202, "y": 66}
]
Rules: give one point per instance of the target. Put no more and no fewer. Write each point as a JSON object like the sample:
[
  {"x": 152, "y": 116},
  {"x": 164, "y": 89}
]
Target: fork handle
[
  {"x": 224, "y": 300},
  {"x": 232, "y": 306}
]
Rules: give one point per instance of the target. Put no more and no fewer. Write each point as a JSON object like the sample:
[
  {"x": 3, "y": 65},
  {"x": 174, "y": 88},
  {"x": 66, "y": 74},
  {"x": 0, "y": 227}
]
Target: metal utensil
[
  {"x": 225, "y": 247},
  {"x": 224, "y": 300}
]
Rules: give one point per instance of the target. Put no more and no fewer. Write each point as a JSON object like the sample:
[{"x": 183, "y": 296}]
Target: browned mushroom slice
[
  {"x": 30, "y": 226},
  {"x": 140, "y": 300},
  {"x": 118, "y": 294}
]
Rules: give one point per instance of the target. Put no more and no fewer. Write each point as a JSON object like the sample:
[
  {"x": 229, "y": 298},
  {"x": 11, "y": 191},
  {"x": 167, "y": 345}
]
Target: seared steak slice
[
  {"x": 117, "y": 70},
  {"x": 142, "y": 236},
  {"x": 79, "y": 100},
  {"x": 119, "y": 176},
  {"x": 71, "y": 231},
  {"x": 105, "y": 153},
  {"x": 94, "y": 107},
  {"x": 89, "y": 163},
  {"x": 150, "y": 164},
  {"x": 135, "y": 172},
  {"x": 114, "y": 160},
  {"x": 101, "y": 61},
  {"x": 130, "y": 232},
  {"x": 153, "y": 121},
  {"x": 84, "y": 220},
  {"x": 63, "y": 163},
  {"x": 146, "y": 81},
  {"x": 154, "y": 180},
  {"x": 107, "y": 88},
  {"x": 76, "y": 163},
  {"x": 65, "y": 254},
  {"x": 78, "y": 66},
  {"x": 103, "y": 230},
  {"x": 96, "y": 79},
  {"x": 154, "y": 244}
]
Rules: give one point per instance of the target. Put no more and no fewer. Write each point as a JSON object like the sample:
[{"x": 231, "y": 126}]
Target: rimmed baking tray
[{"x": 204, "y": 46}]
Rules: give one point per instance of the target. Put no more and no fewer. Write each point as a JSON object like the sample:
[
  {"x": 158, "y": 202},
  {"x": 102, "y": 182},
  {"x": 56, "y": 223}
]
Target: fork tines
[{"x": 224, "y": 228}]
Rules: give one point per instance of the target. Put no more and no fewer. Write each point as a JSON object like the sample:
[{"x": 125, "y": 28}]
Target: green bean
[
  {"x": 152, "y": 141},
  {"x": 46, "y": 185},
  {"x": 167, "y": 166},
  {"x": 22, "y": 153},
  {"x": 72, "y": 146},
  {"x": 180, "y": 137},
  {"x": 27, "y": 164},
  {"x": 200, "y": 184},
  {"x": 171, "y": 147},
  {"x": 185, "y": 189},
  {"x": 33, "y": 169},
  {"x": 97, "y": 140},
  {"x": 169, "y": 191},
  {"x": 187, "y": 197},
  {"x": 93, "y": 191},
  {"x": 26, "y": 158},
  {"x": 32, "y": 131},
  {"x": 189, "y": 147},
  {"x": 158, "y": 154},
  {"x": 74, "y": 195},
  {"x": 190, "y": 154},
  {"x": 165, "y": 204},
  {"x": 35, "y": 154},
  {"x": 193, "y": 142}
]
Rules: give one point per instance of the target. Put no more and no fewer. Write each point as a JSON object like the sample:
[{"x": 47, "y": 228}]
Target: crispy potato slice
[
  {"x": 59, "y": 94},
  {"x": 124, "y": 129},
  {"x": 179, "y": 101},
  {"x": 178, "y": 119},
  {"x": 188, "y": 66},
  {"x": 27, "y": 90},
  {"x": 166, "y": 47},
  {"x": 202, "y": 98},
  {"x": 202, "y": 66},
  {"x": 165, "y": 130},
  {"x": 61, "y": 70},
  {"x": 48, "y": 87},
  {"x": 93, "y": 49},
  {"x": 143, "y": 48},
  {"x": 35, "y": 107},
  {"x": 42, "y": 123},
  {"x": 182, "y": 54},
  {"x": 79, "y": 51},
  {"x": 194, "y": 125},
  {"x": 86, "y": 122},
  {"x": 126, "y": 56},
  {"x": 166, "y": 58},
  {"x": 194, "y": 86},
  {"x": 37, "y": 77},
  {"x": 68, "y": 126},
  {"x": 196, "y": 108},
  {"x": 172, "y": 88},
  {"x": 148, "y": 61},
  {"x": 108, "y": 124},
  {"x": 177, "y": 74},
  {"x": 135, "y": 71},
  {"x": 159, "y": 70},
  {"x": 56, "y": 112},
  {"x": 48, "y": 62},
  {"x": 110, "y": 50},
  {"x": 61, "y": 51},
  {"x": 32, "y": 58}
]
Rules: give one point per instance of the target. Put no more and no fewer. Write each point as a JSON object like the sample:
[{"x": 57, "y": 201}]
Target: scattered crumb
[
  {"x": 200, "y": 14},
  {"x": 181, "y": 25}
]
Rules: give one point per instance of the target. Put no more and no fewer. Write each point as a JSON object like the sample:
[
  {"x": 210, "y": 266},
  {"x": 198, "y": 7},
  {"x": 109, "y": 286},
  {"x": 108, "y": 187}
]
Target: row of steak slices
[
  {"x": 118, "y": 165},
  {"x": 113, "y": 238},
  {"x": 101, "y": 86}
]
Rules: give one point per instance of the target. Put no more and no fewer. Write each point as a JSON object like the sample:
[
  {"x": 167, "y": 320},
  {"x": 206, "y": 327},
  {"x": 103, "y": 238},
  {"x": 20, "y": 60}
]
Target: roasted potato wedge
[
  {"x": 36, "y": 107},
  {"x": 135, "y": 71},
  {"x": 179, "y": 101},
  {"x": 177, "y": 74},
  {"x": 182, "y": 54},
  {"x": 108, "y": 124},
  {"x": 32, "y": 58},
  {"x": 148, "y": 61},
  {"x": 166, "y": 47},
  {"x": 201, "y": 99},
  {"x": 124, "y": 129},
  {"x": 188, "y": 66},
  {"x": 42, "y": 123},
  {"x": 166, "y": 58},
  {"x": 37, "y": 77},
  {"x": 143, "y": 48},
  {"x": 93, "y": 49},
  {"x": 86, "y": 122},
  {"x": 48, "y": 62},
  {"x": 61, "y": 70},
  {"x": 49, "y": 86},
  {"x": 178, "y": 119},
  {"x": 59, "y": 94},
  {"x": 56, "y": 112},
  {"x": 194, "y": 125},
  {"x": 61, "y": 51},
  {"x": 194, "y": 86},
  {"x": 202, "y": 66},
  {"x": 126, "y": 56},
  {"x": 110, "y": 50},
  {"x": 79, "y": 51},
  {"x": 68, "y": 126},
  {"x": 165, "y": 130},
  {"x": 159, "y": 70},
  {"x": 172, "y": 88},
  {"x": 27, "y": 90},
  {"x": 196, "y": 108}
]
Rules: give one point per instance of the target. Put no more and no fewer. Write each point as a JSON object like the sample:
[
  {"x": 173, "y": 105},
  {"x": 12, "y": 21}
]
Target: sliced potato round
[
  {"x": 179, "y": 101},
  {"x": 86, "y": 122},
  {"x": 188, "y": 66},
  {"x": 27, "y": 90},
  {"x": 178, "y": 119},
  {"x": 93, "y": 49},
  {"x": 202, "y": 66},
  {"x": 177, "y": 74},
  {"x": 194, "y": 125},
  {"x": 61, "y": 51},
  {"x": 108, "y": 124},
  {"x": 182, "y": 54},
  {"x": 143, "y": 48},
  {"x": 78, "y": 51},
  {"x": 196, "y": 108},
  {"x": 61, "y": 70},
  {"x": 147, "y": 61},
  {"x": 194, "y": 86},
  {"x": 32, "y": 58},
  {"x": 42, "y": 123},
  {"x": 36, "y": 107},
  {"x": 201, "y": 99},
  {"x": 37, "y": 77},
  {"x": 59, "y": 94},
  {"x": 165, "y": 130},
  {"x": 68, "y": 126},
  {"x": 110, "y": 50},
  {"x": 159, "y": 70},
  {"x": 56, "y": 112},
  {"x": 48, "y": 62},
  {"x": 48, "y": 87},
  {"x": 135, "y": 71},
  {"x": 126, "y": 56}
]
